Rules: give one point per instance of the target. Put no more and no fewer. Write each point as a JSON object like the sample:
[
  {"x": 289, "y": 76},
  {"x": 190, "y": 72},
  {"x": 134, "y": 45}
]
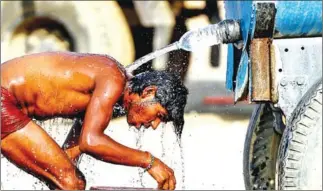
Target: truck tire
[
  {"x": 94, "y": 26},
  {"x": 260, "y": 150},
  {"x": 300, "y": 153}
]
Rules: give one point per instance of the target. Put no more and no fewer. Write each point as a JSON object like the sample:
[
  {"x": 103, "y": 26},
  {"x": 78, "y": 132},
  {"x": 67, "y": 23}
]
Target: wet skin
[{"x": 57, "y": 84}]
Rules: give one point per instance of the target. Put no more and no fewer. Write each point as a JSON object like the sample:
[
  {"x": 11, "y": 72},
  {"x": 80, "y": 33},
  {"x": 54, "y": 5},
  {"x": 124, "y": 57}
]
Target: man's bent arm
[{"x": 93, "y": 141}]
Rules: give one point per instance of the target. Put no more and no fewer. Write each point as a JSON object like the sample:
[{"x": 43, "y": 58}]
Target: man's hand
[{"x": 163, "y": 175}]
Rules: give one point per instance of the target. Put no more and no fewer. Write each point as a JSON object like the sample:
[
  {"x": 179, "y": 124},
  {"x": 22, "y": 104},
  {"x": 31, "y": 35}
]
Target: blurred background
[{"x": 126, "y": 30}]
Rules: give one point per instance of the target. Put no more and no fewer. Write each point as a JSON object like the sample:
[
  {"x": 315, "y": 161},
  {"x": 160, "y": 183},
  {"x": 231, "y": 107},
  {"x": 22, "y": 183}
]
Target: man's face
[{"x": 143, "y": 109}]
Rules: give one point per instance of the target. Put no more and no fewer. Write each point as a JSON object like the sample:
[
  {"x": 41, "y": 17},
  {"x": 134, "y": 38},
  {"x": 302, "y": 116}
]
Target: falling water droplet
[
  {"x": 139, "y": 145},
  {"x": 162, "y": 140},
  {"x": 182, "y": 162}
]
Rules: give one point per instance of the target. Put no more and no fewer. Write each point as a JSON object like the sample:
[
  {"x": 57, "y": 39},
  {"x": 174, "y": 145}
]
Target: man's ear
[{"x": 149, "y": 91}]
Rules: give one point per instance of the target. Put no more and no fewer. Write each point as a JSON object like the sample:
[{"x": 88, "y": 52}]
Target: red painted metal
[{"x": 221, "y": 100}]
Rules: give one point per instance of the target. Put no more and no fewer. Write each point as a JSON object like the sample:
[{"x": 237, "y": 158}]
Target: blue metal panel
[
  {"x": 242, "y": 76},
  {"x": 293, "y": 18},
  {"x": 299, "y": 18},
  {"x": 230, "y": 68},
  {"x": 243, "y": 11}
]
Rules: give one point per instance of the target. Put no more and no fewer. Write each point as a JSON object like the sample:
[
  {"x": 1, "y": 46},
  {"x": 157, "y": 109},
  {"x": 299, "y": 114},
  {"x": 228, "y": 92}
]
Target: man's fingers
[
  {"x": 161, "y": 185},
  {"x": 171, "y": 183},
  {"x": 166, "y": 185},
  {"x": 174, "y": 179}
]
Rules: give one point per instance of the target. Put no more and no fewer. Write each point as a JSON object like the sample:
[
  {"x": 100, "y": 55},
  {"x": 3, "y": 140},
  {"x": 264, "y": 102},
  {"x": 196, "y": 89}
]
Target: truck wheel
[
  {"x": 80, "y": 26},
  {"x": 300, "y": 154},
  {"x": 260, "y": 150}
]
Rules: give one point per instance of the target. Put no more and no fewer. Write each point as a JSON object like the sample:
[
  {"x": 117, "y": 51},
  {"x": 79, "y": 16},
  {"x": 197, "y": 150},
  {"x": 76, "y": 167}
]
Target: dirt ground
[{"x": 212, "y": 152}]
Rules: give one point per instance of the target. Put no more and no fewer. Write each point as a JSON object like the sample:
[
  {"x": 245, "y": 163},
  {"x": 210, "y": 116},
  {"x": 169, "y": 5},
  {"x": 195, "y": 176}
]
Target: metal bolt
[
  {"x": 283, "y": 82},
  {"x": 300, "y": 81}
]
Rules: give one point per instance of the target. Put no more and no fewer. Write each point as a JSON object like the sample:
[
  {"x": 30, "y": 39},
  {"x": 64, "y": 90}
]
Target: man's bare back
[{"x": 57, "y": 83}]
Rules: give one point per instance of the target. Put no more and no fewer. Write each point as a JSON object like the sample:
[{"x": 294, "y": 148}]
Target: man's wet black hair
[{"x": 171, "y": 94}]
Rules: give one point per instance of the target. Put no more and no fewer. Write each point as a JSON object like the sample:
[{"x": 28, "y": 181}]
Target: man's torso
[{"x": 55, "y": 84}]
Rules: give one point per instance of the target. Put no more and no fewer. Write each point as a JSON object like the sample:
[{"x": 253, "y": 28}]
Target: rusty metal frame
[
  {"x": 273, "y": 74},
  {"x": 260, "y": 69},
  {"x": 261, "y": 55}
]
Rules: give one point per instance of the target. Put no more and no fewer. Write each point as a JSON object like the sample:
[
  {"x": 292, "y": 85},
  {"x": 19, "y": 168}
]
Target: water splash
[
  {"x": 139, "y": 146},
  {"x": 173, "y": 161},
  {"x": 183, "y": 164},
  {"x": 163, "y": 154},
  {"x": 182, "y": 160}
]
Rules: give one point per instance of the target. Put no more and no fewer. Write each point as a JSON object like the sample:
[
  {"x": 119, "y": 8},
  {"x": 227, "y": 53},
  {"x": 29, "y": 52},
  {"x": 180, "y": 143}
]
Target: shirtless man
[{"x": 86, "y": 86}]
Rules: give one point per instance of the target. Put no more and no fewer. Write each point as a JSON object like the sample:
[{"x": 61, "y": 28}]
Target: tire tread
[{"x": 294, "y": 140}]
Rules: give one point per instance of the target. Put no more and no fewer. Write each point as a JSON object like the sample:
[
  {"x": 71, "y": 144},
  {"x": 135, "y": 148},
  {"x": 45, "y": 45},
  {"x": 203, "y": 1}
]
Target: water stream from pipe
[{"x": 227, "y": 31}]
